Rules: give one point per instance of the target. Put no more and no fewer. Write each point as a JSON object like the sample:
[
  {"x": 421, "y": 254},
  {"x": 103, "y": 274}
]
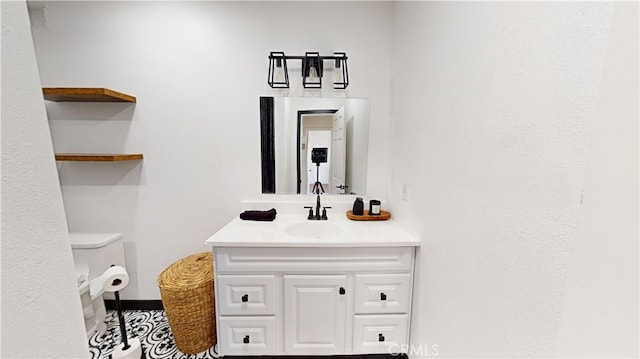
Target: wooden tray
[{"x": 383, "y": 216}]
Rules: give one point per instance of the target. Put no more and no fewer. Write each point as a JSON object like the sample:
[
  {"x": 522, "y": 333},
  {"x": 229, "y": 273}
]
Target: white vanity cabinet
[{"x": 313, "y": 300}]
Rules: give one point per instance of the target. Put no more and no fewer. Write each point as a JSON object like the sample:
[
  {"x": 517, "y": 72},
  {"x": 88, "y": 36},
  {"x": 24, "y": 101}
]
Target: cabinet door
[{"x": 314, "y": 314}]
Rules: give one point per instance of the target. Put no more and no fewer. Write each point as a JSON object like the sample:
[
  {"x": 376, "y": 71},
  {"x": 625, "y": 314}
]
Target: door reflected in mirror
[{"x": 292, "y": 127}]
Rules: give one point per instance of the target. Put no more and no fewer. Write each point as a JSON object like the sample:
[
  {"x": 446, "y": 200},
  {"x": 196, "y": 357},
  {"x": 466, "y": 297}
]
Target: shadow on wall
[
  {"x": 89, "y": 127},
  {"x": 131, "y": 263},
  {"x": 121, "y": 173},
  {"x": 94, "y": 111}
]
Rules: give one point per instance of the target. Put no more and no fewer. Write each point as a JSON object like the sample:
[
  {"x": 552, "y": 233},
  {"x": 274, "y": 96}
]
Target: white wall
[
  {"x": 600, "y": 312},
  {"x": 494, "y": 107},
  {"x": 197, "y": 69},
  {"x": 358, "y": 149},
  {"x": 41, "y": 311},
  {"x": 284, "y": 183}
]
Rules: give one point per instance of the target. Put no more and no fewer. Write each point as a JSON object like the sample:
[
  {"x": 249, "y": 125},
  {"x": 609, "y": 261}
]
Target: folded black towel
[{"x": 269, "y": 215}]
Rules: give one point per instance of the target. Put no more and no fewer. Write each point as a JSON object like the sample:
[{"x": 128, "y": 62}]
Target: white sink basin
[{"x": 313, "y": 229}]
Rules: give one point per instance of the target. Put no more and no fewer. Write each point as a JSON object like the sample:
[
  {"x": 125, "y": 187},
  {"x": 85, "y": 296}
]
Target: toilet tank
[{"x": 97, "y": 250}]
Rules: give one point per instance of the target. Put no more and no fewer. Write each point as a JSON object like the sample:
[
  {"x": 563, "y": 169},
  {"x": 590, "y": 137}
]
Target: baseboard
[
  {"x": 110, "y": 304},
  {"x": 351, "y": 356}
]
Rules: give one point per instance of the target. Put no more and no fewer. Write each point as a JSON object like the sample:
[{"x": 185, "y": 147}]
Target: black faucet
[
  {"x": 318, "y": 206},
  {"x": 317, "y": 216}
]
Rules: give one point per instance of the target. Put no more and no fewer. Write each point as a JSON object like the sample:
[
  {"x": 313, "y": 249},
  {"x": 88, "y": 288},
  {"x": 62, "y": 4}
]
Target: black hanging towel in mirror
[{"x": 267, "y": 145}]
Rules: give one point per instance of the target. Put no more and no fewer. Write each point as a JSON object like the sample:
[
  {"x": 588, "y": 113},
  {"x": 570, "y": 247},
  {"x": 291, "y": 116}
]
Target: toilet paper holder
[{"x": 113, "y": 280}]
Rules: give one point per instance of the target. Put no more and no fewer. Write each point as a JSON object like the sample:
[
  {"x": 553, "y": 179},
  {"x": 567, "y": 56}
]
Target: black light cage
[
  {"x": 310, "y": 61},
  {"x": 278, "y": 62},
  {"x": 341, "y": 65}
]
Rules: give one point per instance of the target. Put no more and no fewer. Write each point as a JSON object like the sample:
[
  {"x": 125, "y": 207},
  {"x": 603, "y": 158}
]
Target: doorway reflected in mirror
[{"x": 292, "y": 126}]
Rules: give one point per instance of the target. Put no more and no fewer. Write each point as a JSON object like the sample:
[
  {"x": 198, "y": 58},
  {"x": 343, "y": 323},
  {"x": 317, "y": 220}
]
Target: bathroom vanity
[{"x": 299, "y": 287}]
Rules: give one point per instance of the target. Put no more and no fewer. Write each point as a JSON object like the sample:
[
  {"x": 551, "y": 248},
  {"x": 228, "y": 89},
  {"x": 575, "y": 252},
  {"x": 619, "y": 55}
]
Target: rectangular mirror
[{"x": 311, "y": 145}]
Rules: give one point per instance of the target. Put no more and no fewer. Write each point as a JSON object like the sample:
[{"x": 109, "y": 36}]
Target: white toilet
[{"x": 93, "y": 253}]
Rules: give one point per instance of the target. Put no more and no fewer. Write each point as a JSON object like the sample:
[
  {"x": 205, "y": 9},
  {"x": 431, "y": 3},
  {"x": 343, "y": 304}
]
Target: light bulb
[
  {"x": 313, "y": 74},
  {"x": 279, "y": 74},
  {"x": 338, "y": 76},
  {"x": 312, "y": 71}
]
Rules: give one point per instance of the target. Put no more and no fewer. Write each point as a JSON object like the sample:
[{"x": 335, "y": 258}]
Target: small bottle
[
  {"x": 374, "y": 207},
  {"x": 358, "y": 207}
]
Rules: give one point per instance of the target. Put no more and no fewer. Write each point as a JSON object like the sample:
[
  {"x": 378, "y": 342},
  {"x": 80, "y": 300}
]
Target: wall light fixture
[
  {"x": 278, "y": 74},
  {"x": 312, "y": 69}
]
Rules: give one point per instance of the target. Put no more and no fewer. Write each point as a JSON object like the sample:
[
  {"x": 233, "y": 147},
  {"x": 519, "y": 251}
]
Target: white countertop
[{"x": 241, "y": 233}]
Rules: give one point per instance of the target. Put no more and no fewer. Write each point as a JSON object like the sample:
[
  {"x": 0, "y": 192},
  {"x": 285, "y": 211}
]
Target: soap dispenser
[{"x": 358, "y": 207}]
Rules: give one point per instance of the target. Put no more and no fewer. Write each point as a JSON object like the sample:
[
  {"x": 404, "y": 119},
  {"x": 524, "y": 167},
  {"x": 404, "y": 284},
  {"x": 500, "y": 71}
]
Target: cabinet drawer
[
  {"x": 246, "y": 335},
  {"x": 246, "y": 294},
  {"x": 305, "y": 261},
  {"x": 382, "y": 293},
  {"x": 379, "y": 333}
]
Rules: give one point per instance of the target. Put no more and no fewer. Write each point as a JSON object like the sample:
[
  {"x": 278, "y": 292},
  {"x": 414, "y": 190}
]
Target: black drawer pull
[
  {"x": 383, "y": 296},
  {"x": 245, "y": 339},
  {"x": 342, "y": 291},
  {"x": 380, "y": 337},
  {"x": 245, "y": 298}
]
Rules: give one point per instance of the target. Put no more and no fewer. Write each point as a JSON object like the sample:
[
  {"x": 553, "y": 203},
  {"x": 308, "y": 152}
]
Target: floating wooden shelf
[
  {"x": 103, "y": 157},
  {"x": 85, "y": 94}
]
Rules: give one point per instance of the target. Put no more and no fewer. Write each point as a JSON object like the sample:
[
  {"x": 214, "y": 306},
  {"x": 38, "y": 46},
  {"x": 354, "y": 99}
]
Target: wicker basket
[{"x": 186, "y": 288}]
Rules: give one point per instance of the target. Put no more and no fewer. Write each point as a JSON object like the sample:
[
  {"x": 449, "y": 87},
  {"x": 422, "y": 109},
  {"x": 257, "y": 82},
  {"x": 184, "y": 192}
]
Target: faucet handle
[
  {"x": 324, "y": 212},
  {"x": 310, "y": 212}
]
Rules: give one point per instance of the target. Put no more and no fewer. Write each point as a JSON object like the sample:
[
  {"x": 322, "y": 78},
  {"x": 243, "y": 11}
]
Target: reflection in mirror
[{"x": 292, "y": 127}]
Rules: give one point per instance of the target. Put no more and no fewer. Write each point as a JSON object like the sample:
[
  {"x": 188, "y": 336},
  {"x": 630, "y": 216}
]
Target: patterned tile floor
[{"x": 151, "y": 327}]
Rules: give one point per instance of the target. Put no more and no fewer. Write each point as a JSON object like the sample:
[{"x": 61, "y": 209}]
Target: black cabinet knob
[
  {"x": 245, "y": 298},
  {"x": 383, "y": 296},
  {"x": 380, "y": 337},
  {"x": 245, "y": 339},
  {"x": 342, "y": 291}
]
